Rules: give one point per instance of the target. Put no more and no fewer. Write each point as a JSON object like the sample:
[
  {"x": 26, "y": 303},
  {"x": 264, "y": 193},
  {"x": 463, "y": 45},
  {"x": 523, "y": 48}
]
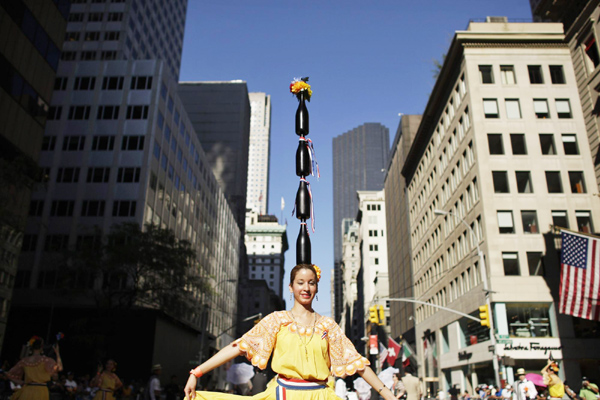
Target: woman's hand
[{"x": 190, "y": 388}]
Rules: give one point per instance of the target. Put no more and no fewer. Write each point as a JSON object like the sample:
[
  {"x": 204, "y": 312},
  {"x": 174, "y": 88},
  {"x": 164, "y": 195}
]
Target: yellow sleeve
[
  {"x": 344, "y": 358},
  {"x": 258, "y": 343}
]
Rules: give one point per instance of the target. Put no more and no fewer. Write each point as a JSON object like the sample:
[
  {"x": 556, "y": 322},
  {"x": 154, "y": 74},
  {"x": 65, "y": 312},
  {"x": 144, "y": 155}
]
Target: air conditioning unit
[{"x": 496, "y": 19}]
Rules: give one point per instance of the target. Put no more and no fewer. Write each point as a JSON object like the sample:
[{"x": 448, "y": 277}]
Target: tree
[{"x": 148, "y": 268}]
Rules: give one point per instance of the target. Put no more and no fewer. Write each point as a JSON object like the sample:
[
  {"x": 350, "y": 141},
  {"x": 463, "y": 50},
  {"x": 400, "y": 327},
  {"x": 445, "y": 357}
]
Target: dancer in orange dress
[
  {"x": 306, "y": 348},
  {"x": 34, "y": 372},
  {"x": 107, "y": 381}
]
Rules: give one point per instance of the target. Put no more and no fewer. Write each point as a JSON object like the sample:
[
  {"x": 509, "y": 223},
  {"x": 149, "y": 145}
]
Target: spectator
[
  {"x": 507, "y": 392},
  {"x": 570, "y": 392},
  {"x": 589, "y": 391},
  {"x": 412, "y": 386},
  {"x": 454, "y": 392},
  {"x": 70, "y": 386},
  {"x": 524, "y": 389},
  {"x": 398, "y": 387},
  {"x": 153, "y": 390}
]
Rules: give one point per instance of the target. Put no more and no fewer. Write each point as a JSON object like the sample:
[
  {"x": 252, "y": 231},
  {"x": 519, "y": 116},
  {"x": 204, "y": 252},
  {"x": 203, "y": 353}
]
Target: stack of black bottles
[{"x": 303, "y": 169}]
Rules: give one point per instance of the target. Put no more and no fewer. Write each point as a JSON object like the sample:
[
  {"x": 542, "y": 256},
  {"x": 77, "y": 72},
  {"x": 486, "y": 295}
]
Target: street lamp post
[{"x": 484, "y": 280}]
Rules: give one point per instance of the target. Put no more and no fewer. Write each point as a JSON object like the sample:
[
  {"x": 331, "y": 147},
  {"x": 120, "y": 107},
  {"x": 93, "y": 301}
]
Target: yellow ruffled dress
[
  {"x": 36, "y": 374},
  {"x": 108, "y": 384},
  {"x": 303, "y": 357}
]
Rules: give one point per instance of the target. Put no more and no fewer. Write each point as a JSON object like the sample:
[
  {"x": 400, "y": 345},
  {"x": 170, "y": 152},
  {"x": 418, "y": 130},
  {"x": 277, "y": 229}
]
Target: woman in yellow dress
[
  {"x": 107, "y": 381},
  {"x": 34, "y": 372},
  {"x": 306, "y": 347}
]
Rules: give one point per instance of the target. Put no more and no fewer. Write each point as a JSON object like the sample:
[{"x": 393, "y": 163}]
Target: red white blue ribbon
[{"x": 313, "y": 158}]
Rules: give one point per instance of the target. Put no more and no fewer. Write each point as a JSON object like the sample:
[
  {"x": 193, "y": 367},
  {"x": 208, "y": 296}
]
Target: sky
[{"x": 368, "y": 61}]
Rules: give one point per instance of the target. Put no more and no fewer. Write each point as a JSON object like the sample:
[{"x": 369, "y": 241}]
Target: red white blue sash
[{"x": 284, "y": 384}]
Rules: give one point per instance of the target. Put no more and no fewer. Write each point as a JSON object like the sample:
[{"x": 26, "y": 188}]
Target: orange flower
[
  {"x": 298, "y": 86},
  {"x": 318, "y": 271}
]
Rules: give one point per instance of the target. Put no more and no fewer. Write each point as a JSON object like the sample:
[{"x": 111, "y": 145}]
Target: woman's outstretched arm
[
  {"x": 369, "y": 376},
  {"x": 227, "y": 353}
]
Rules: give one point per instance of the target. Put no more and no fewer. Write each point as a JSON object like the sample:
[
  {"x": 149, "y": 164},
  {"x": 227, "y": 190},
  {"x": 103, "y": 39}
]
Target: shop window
[
  {"x": 510, "y": 261},
  {"x": 577, "y": 182},
  {"x": 495, "y": 143},
  {"x": 584, "y": 221},
  {"x": 570, "y": 144},
  {"x": 560, "y": 219},
  {"x": 517, "y": 141},
  {"x": 528, "y": 319},
  {"x": 500, "y": 179},
  {"x": 553, "y": 182},
  {"x": 505, "y": 222},
  {"x": 524, "y": 183},
  {"x": 547, "y": 144},
  {"x": 530, "y": 222}
]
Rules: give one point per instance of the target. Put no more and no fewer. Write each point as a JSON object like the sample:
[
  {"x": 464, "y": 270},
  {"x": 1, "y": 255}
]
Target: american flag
[{"x": 580, "y": 276}]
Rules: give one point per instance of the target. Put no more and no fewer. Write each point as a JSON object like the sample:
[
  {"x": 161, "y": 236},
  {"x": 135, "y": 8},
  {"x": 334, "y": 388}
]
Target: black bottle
[
  {"x": 303, "y": 246},
  {"x": 303, "y": 201},
  {"x": 302, "y": 159},
  {"x": 302, "y": 117}
]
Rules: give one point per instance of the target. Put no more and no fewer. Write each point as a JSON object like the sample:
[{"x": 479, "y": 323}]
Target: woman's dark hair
[
  {"x": 37, "y": 344},
  {"x": 298, "y": 268}
]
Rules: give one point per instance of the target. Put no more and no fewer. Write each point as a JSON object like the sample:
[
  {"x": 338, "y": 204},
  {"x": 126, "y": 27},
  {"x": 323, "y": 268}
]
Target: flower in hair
[
  {"x": 318, "y": 271},
  {"x": 33, "y": 339}
]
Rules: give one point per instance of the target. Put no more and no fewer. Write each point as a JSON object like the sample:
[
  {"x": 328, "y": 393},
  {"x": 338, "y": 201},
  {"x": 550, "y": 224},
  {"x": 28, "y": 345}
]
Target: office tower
[
  {"x": 259, "y": 153},
  {"x": 359, "y": 160},
  {"x": 352, "y": 317},
  {"x": 32, "y": 35},
  {"x": 500, "y": 159},
  {"x": 580, "y": 19},
  {"x": 398, "y": 233},
  {"x": 220, "y": 114},
  {"x": 119, "y": 147}
]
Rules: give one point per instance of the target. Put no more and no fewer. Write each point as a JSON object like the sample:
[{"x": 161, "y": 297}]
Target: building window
[
  {"x": 577, "y": 182},
  {"x": 487, "y": 76},
  {"x": 68, "y": 55},
  {"x": 570, "y": 144},
  {"x": 495, "y": 143},
  {"x": 108, "y": 112},
  {"x": 510, "y": 261},
  {"x": 84, "y": 83},
  {"x": 500, "y": 179},
  {"x": 67, "y": 175},
  {"x": 124, "y": 208},
  {"x": 36, "y": 208},
  {"x": 133, "y": 143},
  {"x": 92, "y": 208},
  {"x": 73, "y": 143},
  {"x": 98, "y": 175},
  {"x": 112, "y": 36},
  {"x": 54, "y": 113},
  {"x": 62, "y": 208},
  {"x": 528, "y": 320},
  {"x": 95, "y": 17},
  {"x": 29, "y": 242},
  {"x": 56, "y": 242},
  {"x": 530, "y": 223},
  {"x": 505, "y": 222},
  {"x": 560, "y": 219},
  {"x": 128, "y": 175},
  {"x": 91, "y": 36},
  {"x": 112, "y": 83},
  {"x": 540, "y": 107},
  {"x": 591, "y": 51},
  {"x": 141, "y": 83},
  {"x": 535, "y": 263},
  {"x": 79, "y": 112},
  {"x": 513, "y": 109},
  {"x": 103, "y": 143},
  {"x": 108, "y": 55},
  {"x": 137, "y": 112},
  {"x": 508, "y": 74},
  {"x": 556, "y": 74},
  {"x": 535, "y": 74},
  {"x": 563, "y": 108},
  {"x": 48, "y": 143},
  {"x": 71, "y": 36},
  {"x": 60, "y": 83},
  {"x": 584, "y": 221},
  {"x": 524, "y": 183},
  {"x": 75, "y": 17},
  {"x": 490, "y": 108},
  {"x": 553, "y": 182},
  {"x": 115, "y": 17},
  {"x": 87, "y": 56},
  {"x": 547, "y": 144},
  {"x": 517, "y": 141}
]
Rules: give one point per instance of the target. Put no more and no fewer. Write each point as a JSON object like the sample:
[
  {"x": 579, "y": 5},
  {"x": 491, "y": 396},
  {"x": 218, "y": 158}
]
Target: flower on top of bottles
[
  {"x": 318, "y": 271},
  {"x": 300, "y": 85}
]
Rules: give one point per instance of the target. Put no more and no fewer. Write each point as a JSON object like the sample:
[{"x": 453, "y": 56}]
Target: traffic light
[
  {"x": 484, "y": 315},
  {"x": 381, "y": 315},
  {"x": 373, "y": 317}
]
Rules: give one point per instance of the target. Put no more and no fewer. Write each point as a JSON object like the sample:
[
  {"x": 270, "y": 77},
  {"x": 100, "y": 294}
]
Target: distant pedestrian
[
  {"x": 454, "y": 392},
  {"x": 524, "y": 389},
  {"x": 106, "y": 381},
  {"x": 153, "y": 389},
  {"x": 412, "y": 386},
  {"x": 589, "y": 391},
  {"x": 398, "y": 387},
  {"x": 340, "y": 388}
]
